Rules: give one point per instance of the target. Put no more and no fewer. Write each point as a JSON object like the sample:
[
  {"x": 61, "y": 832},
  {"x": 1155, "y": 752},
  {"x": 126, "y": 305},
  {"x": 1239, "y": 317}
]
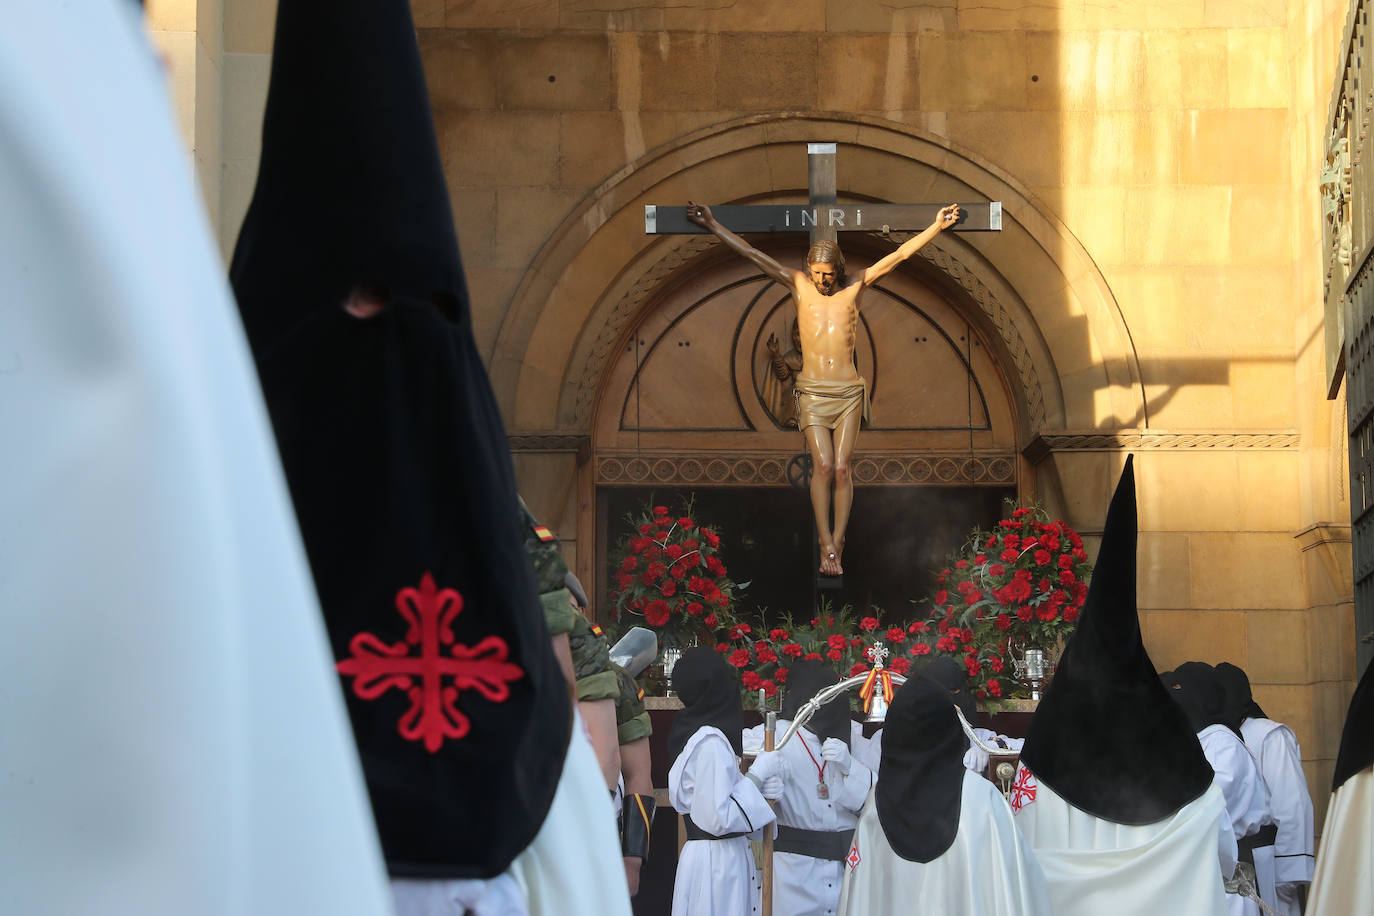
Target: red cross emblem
[
  {"x": 853, "y": 858},
  {"x": 1023, "y": 789},
  {"x": 433, "y": 715}
]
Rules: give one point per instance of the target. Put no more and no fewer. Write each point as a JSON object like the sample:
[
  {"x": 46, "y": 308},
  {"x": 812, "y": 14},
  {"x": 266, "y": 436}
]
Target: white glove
[
  {"x": 771, "y": 788},
  {"x": 976, "y": 759},
  {"x": 837, "y": 753},
  {"x": 769, "y": 764}
]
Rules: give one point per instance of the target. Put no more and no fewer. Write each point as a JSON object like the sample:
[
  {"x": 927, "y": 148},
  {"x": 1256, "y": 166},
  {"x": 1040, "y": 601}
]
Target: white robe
[
  {"x": 172, "y": 734},
  {"x": 715, "y": 877},
  {"x": 804, "y": 885},
  {"x": 1343, "y": 883},
  {"x": 1095, "y": 866},
  {"x": 1247, "y": 802},
  {"x": 1275, "y": 747},
  {"x": 988, "y": 871}
]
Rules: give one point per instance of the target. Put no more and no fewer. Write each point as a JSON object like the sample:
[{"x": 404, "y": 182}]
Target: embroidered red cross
[
  {"x": 853, "y": 857},
  {"x": 433, "y": 715},
  {"x": 1023, "y": 790}
]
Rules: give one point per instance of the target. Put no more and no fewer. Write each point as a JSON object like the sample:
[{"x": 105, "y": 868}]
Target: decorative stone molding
[
  {"x": 548, "y": 442},
  {"x": 771, "y": 469},
  {"x": 1149, "y": 440}
]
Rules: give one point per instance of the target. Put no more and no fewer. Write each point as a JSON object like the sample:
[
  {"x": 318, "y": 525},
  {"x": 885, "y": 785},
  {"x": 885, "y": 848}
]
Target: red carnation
[
  {"x": 1065, "y": 561},
  {"x": 868, "y": 623},
  {"x": 997, "y": 664},
  {"x": 1080, "y": 554},
  {"x": 1009, "y": 555},
  {"x": 766, "y": 656},
  {"x": 857, "y": 668},
  {"x": 856, "y": 642},
  {"x": 660, "y": 510},
  {"x": 751, "y": 680},
  {"x": 793, "y": 649},
  {"x": 1067, "y": 578},
  {"x": 900, "y": 665},
  {"x": 1013, "y": 541},
  {"x": 628, "y": 564},
  {"x": 656, "y": 612},
  {"x": 714, "y": 564},
  {"x": 1004, "y": 622},
  {"x": 623, "y": 580},
  {"x": 980, "y": 559},
  {"x": 896, "y": 634},
  {"x": 679, "y": 571},
  {"x": 834, "y": 655},
  {"x": 941, "y": 596},
  {"x": 920, "y": 649},
  {"x": 1049, "y": 541},
  {"x": 780, "y": 675},
  {"x": 710, "y": 621},
  {"x": 1042, "y": 557},
  {"x": 971, "y": 665},
  {"x": 1070, "y": 614},
  {"x": 1047, "y": 611},
  {"x": 961, "y": 564},
  {"x": 778, "y": 635},
  {"x": 686, "y": 524},
  {"x": 973, "y": 596},
  {"x": 668, "y": 588},
  {"x": 1024, "y": 613},
  {"x": 694, "y": 608},
  {"x": 837, "y": 641},
  {"x": 997, "y": 569},
  {"x": 994, "y": 688},
  {"x": 813, "y": 656},
  {"x": 769, "y": 688},
  {"x": 646, "y": 528},
  {"x": 663, "y": 521},
  {"x": 674, "y": 551},
  {"x": 946, "y": 644},
  {"x": 1021, "y": 512},
  {"x": 690, "y": 544},
  {"x": 710, "y": 537},
  {"x": 739, "y": 658}
]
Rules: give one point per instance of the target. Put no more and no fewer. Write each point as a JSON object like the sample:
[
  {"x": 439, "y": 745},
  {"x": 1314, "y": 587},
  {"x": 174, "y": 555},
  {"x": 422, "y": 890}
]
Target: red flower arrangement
[
  {"x": 669, "y": 572},
  {"x": 765, "y": 660},
  {"x": 1018, "y": 586}
]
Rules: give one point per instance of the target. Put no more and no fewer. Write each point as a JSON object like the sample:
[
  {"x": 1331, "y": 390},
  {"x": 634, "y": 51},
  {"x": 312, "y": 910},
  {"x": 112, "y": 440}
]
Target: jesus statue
[{"x": 831, "y": 396}]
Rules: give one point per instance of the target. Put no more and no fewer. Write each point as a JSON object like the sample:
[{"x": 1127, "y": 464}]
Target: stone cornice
[
  {"x": 548, "y": 442},
  {"x": 1132, "y": 440},
  {"x": 754, "y": 469}
]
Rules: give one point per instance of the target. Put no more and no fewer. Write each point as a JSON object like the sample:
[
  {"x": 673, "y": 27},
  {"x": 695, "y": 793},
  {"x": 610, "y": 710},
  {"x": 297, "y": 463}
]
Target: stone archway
[{"x": 1034, "y": 294}]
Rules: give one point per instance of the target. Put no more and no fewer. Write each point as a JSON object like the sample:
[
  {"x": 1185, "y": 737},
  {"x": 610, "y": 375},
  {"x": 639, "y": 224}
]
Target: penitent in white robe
[
  {"x": 1247, "y": 803},
  {"x": 1096, "y": 866},
  {"x": 1343, "y": 882},
  {"x": 804, "y": 885},
  {"x": 715, "y": 877},
  {"x": 172, "y": 734},
  {"x": 1280, "y": 761},
  {"x": 989, "y": 870}
]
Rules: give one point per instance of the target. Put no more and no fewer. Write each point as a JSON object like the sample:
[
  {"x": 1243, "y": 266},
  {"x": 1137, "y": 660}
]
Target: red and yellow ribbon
[{"x": 870, "y": 685}]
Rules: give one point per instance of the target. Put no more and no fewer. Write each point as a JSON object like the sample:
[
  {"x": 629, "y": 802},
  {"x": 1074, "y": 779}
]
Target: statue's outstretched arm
[
  {"x": 701, "y": 215},
  {"x": 947, "y": 217}
]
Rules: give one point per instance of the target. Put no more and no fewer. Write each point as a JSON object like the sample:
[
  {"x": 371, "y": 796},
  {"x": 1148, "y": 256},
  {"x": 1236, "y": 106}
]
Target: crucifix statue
[{"x": 831, "y": 396}]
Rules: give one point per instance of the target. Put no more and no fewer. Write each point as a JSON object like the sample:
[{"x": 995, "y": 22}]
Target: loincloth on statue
[{"x": 822, "y": 402}]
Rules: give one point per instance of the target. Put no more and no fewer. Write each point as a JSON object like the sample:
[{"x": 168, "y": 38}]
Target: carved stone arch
[{"x": 1036, "y": 286}]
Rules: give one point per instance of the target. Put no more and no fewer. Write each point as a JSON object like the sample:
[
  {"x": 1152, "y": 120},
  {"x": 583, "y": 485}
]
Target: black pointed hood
[
  {"x": 350, "y": 191},
  {"x": 804, "y": 681},
  {"x": 920, "y": 792},
  {"x": 709, "y": 689},
  {"x": 1202, "y": 694},
  {"x": 1240, "y": 702},
  {"x": 951, "y": 675},
  {"x": 1357, "y": 739},
  {"x": 394, "y": 449},
  {"x": 1107, "y": 737}
]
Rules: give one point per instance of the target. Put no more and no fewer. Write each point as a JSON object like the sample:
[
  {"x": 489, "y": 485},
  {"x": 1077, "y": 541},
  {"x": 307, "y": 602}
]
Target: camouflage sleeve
[
  {"x": 631, "y": 718},
  {"x": 549, "y": 572},
  {"x": 591, "y": 655}
]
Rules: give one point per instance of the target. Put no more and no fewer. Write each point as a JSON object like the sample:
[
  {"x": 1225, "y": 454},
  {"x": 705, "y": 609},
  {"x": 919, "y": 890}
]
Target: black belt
[
  {"x": 696, "y": 833},
  {"x": 818, "y": 844},
  {"x": 1265, "y": 836}
]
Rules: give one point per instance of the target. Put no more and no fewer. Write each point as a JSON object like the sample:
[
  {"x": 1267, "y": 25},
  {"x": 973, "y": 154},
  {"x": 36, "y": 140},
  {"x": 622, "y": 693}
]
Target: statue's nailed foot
[{"x": 830, "y": 561}]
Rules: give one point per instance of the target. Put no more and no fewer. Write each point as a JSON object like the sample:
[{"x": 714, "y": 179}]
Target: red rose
[
  {"x": 868, "y": 623},
  {"x": 1024, "y": 613},
  {"x": 769, "y": 688},
  {"x": 1042, "y": 557},
  {"x": 793, "y": 649},
  {"x": 834, "y": 655},
  {"x": 994, "y": 689},
  {"x": 900, "y": 665},
  {"x": 694, "y": 608},
  {"x": 780, "y": 675},
  {"x": 919, "y": 648},
  {"x": 857, "y": 668},
  {"x": 971, "y": 665},
  {"x": 896, "y": 634},
  {"x": 813, "y": 656},
  {"x": 656, "y": 613},
  {"x": 710, "y": 621},
  {"x": 837, "y": 641},
  {"x": 739, "y": 658},
  {"x": 751, "y": 680},
  {"x": 1009, "y": 555},
  {"x": 1004, "y": 622}
]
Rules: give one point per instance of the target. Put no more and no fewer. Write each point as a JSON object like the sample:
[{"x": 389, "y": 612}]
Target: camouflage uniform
[
  {"x": 631, "y": 718},
  {"x": 549, "y": 573},
  {"x": 591, "y": 655}
]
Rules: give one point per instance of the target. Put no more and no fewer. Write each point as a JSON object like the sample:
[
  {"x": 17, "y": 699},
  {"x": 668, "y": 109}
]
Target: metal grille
[{"x": 1360, "y": 398}]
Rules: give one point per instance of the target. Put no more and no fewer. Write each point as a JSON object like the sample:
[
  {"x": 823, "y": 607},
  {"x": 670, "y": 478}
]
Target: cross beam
[{"x": 822, "y": 217}]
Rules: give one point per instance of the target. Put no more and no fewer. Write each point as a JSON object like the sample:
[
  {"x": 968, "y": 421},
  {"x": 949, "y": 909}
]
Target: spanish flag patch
[
  {"x": 596, "y": 629},
  {"x": 543, "y": 534},
  {"x": 640, "y": 694}
]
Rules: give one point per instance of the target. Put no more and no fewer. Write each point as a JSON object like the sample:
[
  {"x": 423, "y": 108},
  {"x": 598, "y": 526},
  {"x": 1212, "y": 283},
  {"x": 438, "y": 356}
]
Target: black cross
[{"x": 821, "y": 216}]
